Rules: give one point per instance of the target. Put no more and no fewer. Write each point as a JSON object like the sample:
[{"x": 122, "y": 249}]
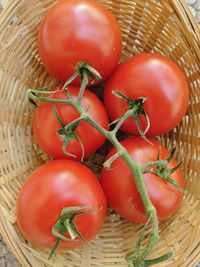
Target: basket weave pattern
[{"x": 164, "y": 26}]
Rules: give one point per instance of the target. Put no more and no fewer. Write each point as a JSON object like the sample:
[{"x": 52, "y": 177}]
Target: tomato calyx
[
  {"x": 91, "y": 72},
  {"x": 65, "y": 223},
  {"x": 85, "y": 71},
  {"x": 162, "y": 170},
  {"x": 135, "y": 109},
  {"x": 68, "y": 132}
]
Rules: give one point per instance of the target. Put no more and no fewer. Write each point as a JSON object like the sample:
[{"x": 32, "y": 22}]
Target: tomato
[
  {"x": 46, "y": 125},
  {"x": 79, "y": 30},
  {"x": 160, "y": 82},
  {"x": 52, "y": 187},
  {"x": 119, "y": 186}
]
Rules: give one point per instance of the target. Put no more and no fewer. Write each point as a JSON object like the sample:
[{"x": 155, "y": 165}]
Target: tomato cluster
[{"x": 66, "y": 202}]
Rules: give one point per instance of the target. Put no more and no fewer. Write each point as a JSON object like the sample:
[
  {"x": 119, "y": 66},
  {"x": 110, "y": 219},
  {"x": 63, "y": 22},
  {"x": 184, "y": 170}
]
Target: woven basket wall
[{"x": 161, "y": 26}]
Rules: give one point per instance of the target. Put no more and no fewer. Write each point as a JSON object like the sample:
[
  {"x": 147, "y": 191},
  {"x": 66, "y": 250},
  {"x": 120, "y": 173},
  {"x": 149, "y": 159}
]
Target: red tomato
[
  {"x": 119, "y": 186},
  {"x": 160, "y": 81},
  {"x": 46, "y": 125},
  {"x": 79, "y": 30},
  {"x": 49, "y": 189}
]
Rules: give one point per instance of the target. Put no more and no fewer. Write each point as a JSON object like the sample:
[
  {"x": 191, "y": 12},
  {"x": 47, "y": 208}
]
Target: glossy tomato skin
[
  {"x": 45, "y": 125},
  {"x": 79, "y": 30},
  {"x": 120, "y": 188},
  {"x": 160, "y": 81},
  {"x": 50, "y": 188}
]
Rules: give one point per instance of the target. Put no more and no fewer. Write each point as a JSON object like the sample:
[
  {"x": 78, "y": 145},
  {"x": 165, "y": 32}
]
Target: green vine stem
[
  {"x": 136, "y": 257},
  {"x": 136, "y": 105}
]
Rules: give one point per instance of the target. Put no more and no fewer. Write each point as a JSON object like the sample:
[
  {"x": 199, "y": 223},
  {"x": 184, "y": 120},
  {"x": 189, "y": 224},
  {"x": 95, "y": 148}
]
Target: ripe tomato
[
  {"x": 46, "y": 125},
  {"x": 119, "y": 186},
  {"x": 49, "y": 189},
  {"x": 160, "y": 81},
  {"x": 79, "y": 30}
]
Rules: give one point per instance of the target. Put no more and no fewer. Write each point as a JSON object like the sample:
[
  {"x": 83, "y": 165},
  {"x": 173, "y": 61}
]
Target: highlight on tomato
[
  {"x": 61, "y": 204},
  {"x": 120, "y": 188},
  {"x": 77, "y": 142},
  {"x": 154, "y": 87},
  {"x": 77, "y": 31}
]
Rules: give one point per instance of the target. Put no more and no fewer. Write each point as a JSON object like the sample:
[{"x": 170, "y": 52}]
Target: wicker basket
[{"x": 164, "y": 26}]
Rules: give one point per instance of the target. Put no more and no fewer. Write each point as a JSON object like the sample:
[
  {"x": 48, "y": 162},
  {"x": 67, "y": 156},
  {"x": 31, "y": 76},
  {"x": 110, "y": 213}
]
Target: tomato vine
[{"x": 137, "y": 256}]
